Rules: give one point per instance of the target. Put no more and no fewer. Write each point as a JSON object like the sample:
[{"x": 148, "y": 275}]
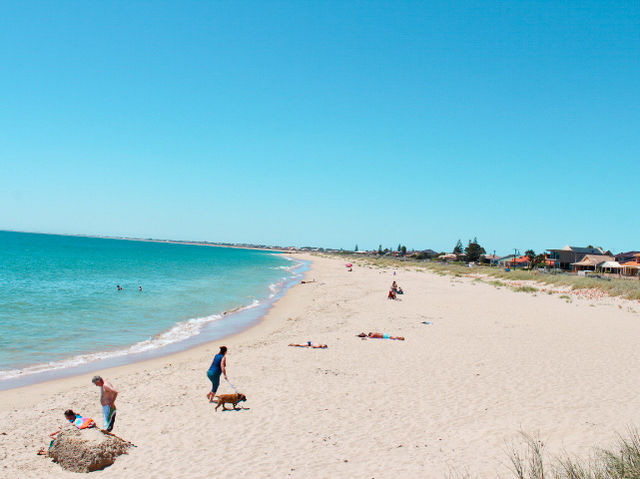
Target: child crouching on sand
[{"x": 77, "y": 420}]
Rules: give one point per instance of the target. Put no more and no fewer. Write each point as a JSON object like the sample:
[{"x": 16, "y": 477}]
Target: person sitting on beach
[
  {"x": 394, "y": 287},
  {"x": 380, "y": 336},
  {"x": 399, "y": 290},
  {"x": 392, "y": 294},
  {"x": 309, "y": 344},
  {"x": 77, "y": 420}
]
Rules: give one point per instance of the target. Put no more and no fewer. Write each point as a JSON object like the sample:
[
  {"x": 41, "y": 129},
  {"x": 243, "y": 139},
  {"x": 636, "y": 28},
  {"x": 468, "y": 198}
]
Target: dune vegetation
[
  {"x": 628, "y": 288},
  {"x": 622, "y": 461}
]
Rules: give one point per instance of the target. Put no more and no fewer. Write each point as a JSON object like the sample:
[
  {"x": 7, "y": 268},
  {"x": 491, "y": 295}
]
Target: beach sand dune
[{"x": 446, "y": 401}]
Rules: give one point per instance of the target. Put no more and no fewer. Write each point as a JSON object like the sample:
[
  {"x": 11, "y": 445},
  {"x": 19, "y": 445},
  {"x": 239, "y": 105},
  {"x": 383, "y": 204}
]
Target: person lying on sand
[
  {"x": 380, "y": 336},
  {"x": 309, "y": 344},
  {"x": 77, "y": 420}
]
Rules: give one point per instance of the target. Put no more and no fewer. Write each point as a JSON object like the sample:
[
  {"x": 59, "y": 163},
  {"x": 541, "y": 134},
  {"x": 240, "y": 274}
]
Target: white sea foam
[
  {"x": 179, "y": 332},
  {"x": 287, "y": 268}
]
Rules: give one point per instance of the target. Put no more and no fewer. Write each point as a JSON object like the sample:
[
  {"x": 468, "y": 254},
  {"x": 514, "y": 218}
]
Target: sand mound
[{"x": 86, "y": 450}]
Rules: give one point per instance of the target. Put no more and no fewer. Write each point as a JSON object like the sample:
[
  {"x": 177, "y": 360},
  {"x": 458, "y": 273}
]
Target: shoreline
[
  {"x": 28, "y": 394},
  {"x": 229, "y": 324}
]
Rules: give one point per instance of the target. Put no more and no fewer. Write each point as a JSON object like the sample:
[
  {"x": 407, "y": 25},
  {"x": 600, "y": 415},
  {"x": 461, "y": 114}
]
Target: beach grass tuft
[
  {"x": 620, "y": 462},
  {"x": 525, "y": 289},
  {"x": 530, "y": 462}
]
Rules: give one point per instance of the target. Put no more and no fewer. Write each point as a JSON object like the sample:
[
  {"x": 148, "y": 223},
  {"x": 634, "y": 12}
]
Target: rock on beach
[{"x": 86, "y": 450}]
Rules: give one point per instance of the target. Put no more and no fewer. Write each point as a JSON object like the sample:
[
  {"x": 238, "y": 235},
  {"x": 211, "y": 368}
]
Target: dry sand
[{"x": 445, "y": 401}]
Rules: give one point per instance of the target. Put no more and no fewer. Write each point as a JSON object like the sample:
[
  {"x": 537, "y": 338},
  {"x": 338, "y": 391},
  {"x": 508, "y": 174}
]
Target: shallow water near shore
[{"x": 61, "y": 312}]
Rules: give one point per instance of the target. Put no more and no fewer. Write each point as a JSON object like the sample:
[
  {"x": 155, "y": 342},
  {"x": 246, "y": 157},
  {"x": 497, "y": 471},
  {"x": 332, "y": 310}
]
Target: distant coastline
[{"x": 249, "y": 246}]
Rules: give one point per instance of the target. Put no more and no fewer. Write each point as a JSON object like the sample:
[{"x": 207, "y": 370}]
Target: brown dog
[{"x": 229, "y": 398}]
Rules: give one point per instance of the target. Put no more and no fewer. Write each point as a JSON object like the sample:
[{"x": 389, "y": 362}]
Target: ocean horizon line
[{"x": 247, "y": 246}]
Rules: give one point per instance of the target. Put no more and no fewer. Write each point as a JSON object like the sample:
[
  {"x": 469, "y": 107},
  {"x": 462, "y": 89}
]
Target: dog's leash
[{"x": 232, "y": 386}]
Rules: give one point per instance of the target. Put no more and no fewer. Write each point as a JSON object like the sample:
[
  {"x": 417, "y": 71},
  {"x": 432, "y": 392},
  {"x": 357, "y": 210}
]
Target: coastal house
[
  {"x": 422, "y": 254},
  {"x": 520, "y": 262},
  {"x": 627, "y": 256},
  {"x": 632, "y": 267},
  {"x": 505, "y": 260},
  {"x": 568, "y": 255},
  {"x": 490, "y": 258},
  {"x": 591, "y": 262},
  {"x": 610, "y": 267}
]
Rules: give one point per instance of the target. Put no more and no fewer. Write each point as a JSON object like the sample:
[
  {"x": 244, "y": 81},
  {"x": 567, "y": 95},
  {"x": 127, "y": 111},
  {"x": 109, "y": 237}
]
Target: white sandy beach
[{"x": 446, "y": 401}]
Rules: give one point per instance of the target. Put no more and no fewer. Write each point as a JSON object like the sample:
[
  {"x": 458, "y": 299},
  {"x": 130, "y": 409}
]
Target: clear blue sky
[{"x": 323, "y": 123}]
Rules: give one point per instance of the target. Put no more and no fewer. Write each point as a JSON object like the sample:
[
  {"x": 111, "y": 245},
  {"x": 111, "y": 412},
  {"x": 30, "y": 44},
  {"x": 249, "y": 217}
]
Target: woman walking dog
[{"x": 218, "y": 366}]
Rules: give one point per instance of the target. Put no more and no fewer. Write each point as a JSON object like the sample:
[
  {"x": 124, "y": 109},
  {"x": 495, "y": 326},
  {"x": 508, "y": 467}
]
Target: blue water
[{"x": 59, "y": 305}]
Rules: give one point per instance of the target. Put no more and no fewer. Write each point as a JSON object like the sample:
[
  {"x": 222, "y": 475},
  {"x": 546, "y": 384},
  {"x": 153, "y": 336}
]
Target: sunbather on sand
[
  {"x": 380, "y": 336},
  {"x": 309, "y": 344}
]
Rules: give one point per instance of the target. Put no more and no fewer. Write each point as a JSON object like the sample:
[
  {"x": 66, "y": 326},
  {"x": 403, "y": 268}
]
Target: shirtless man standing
[{"x": 108, "y": 397}]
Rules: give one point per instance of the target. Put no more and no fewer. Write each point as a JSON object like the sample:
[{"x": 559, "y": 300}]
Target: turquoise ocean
[{"x": 61, "y": 312}]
